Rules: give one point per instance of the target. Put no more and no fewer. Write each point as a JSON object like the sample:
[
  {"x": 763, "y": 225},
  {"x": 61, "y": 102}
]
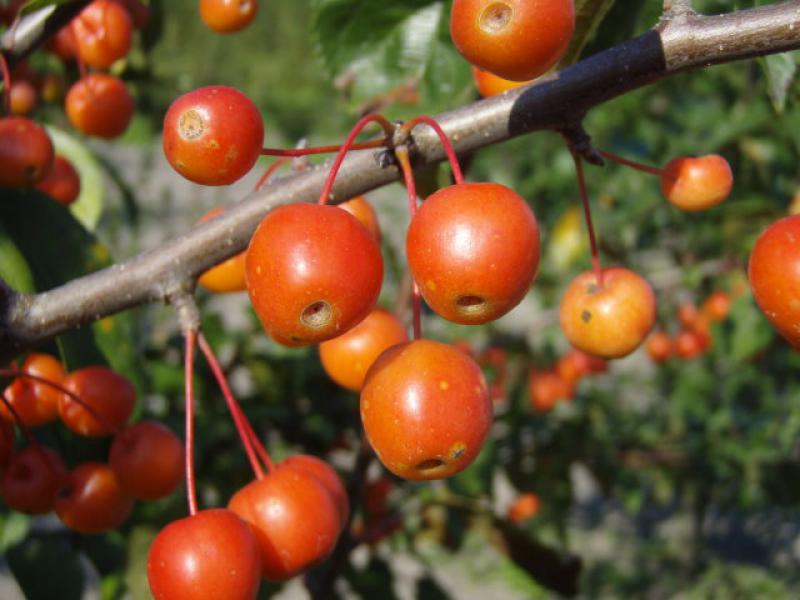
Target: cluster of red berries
[
  {"x": 694, "y": 336},
  {"x": 145, "y": 461},
  {"x": 547, "y": 387},
  {"x": 98, "y": 104}
]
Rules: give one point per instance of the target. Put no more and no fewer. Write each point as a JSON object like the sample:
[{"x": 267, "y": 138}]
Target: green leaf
[
  {"x": 588, "y": 16},
  {"x": 751, "y": 331},
  {"x": 89, "y": 204},
  {"x": 378, "y": 46},
  {"x": 14, "y": 528},
  {"x": 14, "y": 268},
  {"x": 47, "y": 569},
  {"x": 34, "y": 5},
  {"x": 58, "y": 249},
  {"x": 780, "y": 70}
]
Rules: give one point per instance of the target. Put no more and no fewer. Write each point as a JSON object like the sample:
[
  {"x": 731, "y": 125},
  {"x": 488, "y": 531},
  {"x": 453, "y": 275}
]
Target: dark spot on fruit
[
  {"x": 495, "y": 17},
  {"x": 430, "y": 464},
  {"x": 317, "y": 314},
  {"x": 470, "y": 305},
  {"x": 191, "y": 125},
  {"x": 586, "y": 316}
]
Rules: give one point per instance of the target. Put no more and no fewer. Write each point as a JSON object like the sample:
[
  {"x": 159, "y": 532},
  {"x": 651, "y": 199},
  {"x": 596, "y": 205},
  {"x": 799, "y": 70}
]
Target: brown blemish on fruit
[
  {"x": 191, "y": 125},
  {"x": 430, "y": 464},
  {"x": 317, "y": 314},
  {"x": 213, "y": 144},
  {"x": 495, "y": 17},
  {"x": 431, "y": 285},
  {"x": 458, "y": 450},
  {"x": 470, "y": 305},
  {"x": 586, "y": 316}
]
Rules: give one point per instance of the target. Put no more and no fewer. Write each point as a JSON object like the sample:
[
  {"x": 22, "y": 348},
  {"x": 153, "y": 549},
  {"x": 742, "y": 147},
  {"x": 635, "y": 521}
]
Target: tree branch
[{"x": 556, "y": 102}]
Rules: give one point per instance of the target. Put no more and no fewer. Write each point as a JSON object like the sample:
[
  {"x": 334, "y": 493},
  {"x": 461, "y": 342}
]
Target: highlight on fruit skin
[
  {"x": 425, "y": 409},
  {"x": 697, "y": 183},
  {"x": 228, "y": 16}
]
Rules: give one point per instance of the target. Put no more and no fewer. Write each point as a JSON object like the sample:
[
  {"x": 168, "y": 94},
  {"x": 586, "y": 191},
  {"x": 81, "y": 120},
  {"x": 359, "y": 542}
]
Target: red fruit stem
[
  {"x": 348, "y": 145},
  {"x": 190, "y": 338},
  {"x": 82, "y": 70},
  {"x": 587, "y": 213},
  {"x": 633, "y": 164},
  {"x": 401, "y": 153},
  {"x": 6, "y": 84},
  {"x": 321, "y": 149},
  {"x": 261, "y": 451},
  {"x": 458, "y": 175},
  {"x": 85, "y": 405},
  {"x": 24, "y": 428},
  {"x": 237, "y": 414},
  {"x": 270, "y": 172}
]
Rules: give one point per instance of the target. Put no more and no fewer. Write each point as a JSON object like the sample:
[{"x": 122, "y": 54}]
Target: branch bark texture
[{"x": 677, "y": 44}]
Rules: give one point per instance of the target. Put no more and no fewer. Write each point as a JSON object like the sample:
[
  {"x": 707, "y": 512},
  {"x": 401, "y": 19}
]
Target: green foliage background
[{"x": 694, "y": 466}]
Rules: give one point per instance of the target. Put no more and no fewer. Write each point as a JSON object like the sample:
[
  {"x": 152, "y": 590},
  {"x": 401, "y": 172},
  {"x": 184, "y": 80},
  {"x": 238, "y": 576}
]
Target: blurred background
[{"x": 673, "y": 479}]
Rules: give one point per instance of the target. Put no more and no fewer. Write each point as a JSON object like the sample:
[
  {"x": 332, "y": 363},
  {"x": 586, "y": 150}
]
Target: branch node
[
  {"x": 580, "y": 143},
  {"x": 187, "y": 310},
  {"x": 677, "y": 9}
]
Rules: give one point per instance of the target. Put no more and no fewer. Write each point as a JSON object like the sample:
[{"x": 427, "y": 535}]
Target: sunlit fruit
[
  {"x": 35, "y": 402},
  {"x": 227, "y": 276},
  {"x": 473, "y": 249},
  {"x": 110, "y": 398},
  {"x": 426, "y": 410},
  {"x": 697, "y": 183},
  {"x": 228, "y": 16},
  {"x": 489, "y": 84},
  {"x": 99, "y": 104},
  {"x": 609, "y": 321}
]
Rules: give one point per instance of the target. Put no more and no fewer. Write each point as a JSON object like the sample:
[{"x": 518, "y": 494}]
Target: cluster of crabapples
[
  {"x": 145, "y": 459},
  {"x": 96, "y": 104}
]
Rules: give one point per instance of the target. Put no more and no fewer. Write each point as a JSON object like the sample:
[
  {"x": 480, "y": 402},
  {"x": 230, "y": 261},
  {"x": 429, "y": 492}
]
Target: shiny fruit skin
[
  {"x": 23, "y": 97},
  {"x": 294, "y": 518},
  {"x": 32, "y": 479},
  {"x": 774, "y": 273},
  {"x": 108, "y": 393},
  {"x": 608, "y": 322},
  {"x": 26, "y": 152},
  {"x": 697, "y": 183},
  {"x": 100, "y": 105},
  {"x": 514, "y": 39},
  {"x": 227, "y": 276},
  {"x": 659, "y": 347},
  {"x": 35, "y": 402},
  {"x": 426, "y": 410},
  {"x": 717, "y": 306},
  {"x": 576, "y": 364},
  {"x": 103, "y": 33},
  {"x": 62, "y": 184},
  {"x": 228, "y": 16},
  {"x": 208, "y": 556},
  {"x": 473, "y": 249},
  {"x": 524, "y": 507},
  {"x": 63, "y": 44},
  {"x": 488, "y": 84},
  {"x": 547, "y": 388},
  {"x": 91, "y": 500},
  {"x": 147, "y": 460},
  {"x": 347, "y": 358},
  {"x": 213, "y": 135},
  {"x": 313, "y": 273},
  {"x": 327, "y": 475},
  {"x": 362, "y": 210}
]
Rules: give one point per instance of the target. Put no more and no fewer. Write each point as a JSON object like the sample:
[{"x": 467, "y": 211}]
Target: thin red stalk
[
  {"x": 6, "y": 84},
  {"x": 85, "y": 405},
  {"x": 190, "y": 338},
  {"x": 446, "y": 144},
  {"x": 587, "y": 213},
  {"x": 15, "y": 415},
  {"x": 270, "y": 172},
  {"x": 401, "y": 153},
  {"x": 261, "y": 451},
  {"x": 633, "y": 164},
  {"x": 321, "y": 149},
  {"x": 237, "y": 414},
  {"x": 348, "y": 145}
]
